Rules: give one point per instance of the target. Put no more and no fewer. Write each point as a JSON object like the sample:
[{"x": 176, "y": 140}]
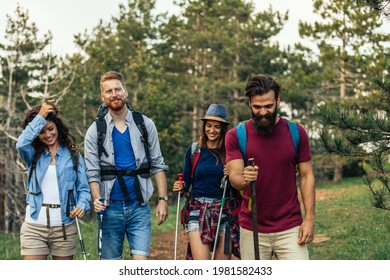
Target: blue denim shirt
[
  {"x": 66, "y": 175},
  {"x": 93, "y": 162}
]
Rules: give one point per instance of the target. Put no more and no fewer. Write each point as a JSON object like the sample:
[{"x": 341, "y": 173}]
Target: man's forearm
[
  {"x": 238, "y": 181},
  {"x": 95, "y": 190},
  {"x": 308, "y": 196},
  {"x": 161, "y": 182}
]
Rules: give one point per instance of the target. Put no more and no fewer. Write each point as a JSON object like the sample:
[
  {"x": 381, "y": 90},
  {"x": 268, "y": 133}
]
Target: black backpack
[
  {"x": 101, "y": 126},
  {"x": 110, "y": 172}
]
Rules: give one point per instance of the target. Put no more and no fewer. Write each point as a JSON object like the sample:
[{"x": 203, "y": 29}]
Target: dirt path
[{"x": 163, "y": 246}]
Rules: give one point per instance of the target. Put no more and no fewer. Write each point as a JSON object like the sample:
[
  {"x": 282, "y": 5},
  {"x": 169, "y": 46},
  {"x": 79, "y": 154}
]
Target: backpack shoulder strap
[
  {"x": 75, "y": 160},
  {"x": 294, "y": 132},
  {"x": 34, "y": 166},
  {"x": 195, "y": 155},
  {"x": 101, "y": 127},
  {"x": 241, "y": 136},
  {"x": 139, "y": 121}
]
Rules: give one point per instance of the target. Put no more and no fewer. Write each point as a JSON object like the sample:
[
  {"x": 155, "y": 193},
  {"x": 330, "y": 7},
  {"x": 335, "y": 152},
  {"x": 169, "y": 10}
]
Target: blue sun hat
[{"x": 216, "y": 112}]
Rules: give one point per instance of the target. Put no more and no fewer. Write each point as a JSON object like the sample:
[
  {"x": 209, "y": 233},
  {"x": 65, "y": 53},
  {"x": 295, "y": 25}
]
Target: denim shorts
[
  {"x": 126, "y": 218},
  {"x": 193, "y": 224}
]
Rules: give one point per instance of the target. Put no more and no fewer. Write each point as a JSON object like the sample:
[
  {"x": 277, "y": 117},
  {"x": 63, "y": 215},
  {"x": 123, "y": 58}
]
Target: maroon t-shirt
[{"x": 277, "y": 196}]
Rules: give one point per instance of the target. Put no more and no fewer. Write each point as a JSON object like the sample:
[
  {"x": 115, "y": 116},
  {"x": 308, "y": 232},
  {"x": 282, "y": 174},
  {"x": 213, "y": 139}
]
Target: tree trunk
[{"x": 337, "y": 171}]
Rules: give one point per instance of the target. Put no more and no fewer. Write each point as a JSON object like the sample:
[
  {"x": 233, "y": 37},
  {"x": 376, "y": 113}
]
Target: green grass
[
  {"x": 344, "y": 214},
  {"x": 356, "y": 229}
]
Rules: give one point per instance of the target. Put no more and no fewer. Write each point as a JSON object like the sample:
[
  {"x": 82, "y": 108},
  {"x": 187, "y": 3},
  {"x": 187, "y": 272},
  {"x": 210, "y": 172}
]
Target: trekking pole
[
  {"x": 223, "y": 185},
  {"x": 100, "y": 238},
  {"x": 72, "y": 203},
  {"x": 180, "y": 177},
  {"x": 251, "y": 162}
]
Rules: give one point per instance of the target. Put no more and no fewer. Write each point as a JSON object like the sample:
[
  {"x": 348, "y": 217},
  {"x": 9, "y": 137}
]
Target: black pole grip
[
  {"x": 71, "y": 198},
  {"x": 82, "y": 247}
]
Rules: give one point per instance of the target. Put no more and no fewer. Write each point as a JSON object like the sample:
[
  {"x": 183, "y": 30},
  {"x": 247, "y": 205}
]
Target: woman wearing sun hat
[{"x": 202, "y": 177}]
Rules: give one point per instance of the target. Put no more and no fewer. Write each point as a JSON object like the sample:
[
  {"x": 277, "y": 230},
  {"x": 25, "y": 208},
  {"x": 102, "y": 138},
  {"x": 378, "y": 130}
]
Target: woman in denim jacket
[{"x": 56, "y": 193}]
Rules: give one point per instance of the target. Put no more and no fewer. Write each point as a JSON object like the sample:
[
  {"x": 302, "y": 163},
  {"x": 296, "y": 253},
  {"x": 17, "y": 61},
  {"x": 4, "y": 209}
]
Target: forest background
[{"x": 175, "y": 65}]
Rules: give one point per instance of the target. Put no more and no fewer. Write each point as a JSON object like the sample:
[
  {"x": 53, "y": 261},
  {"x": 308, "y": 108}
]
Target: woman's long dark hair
[
  {"x": 221, "y": 141},
  {"x": 64, "y": 137}
]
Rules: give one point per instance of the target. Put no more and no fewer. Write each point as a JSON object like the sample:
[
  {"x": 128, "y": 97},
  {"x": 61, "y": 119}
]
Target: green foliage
[
  {"x": 349, "y": 45},
  {"x": 213, "y": 47},
  {"x": 349, "y": 133}
]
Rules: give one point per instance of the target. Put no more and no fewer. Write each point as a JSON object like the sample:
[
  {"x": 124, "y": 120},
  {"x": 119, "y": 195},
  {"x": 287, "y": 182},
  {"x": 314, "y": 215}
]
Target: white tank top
[{"x": 51, "y": 195}]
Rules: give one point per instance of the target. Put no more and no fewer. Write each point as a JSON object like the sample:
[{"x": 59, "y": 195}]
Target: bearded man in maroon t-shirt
[{"x": 282, "y": 231}]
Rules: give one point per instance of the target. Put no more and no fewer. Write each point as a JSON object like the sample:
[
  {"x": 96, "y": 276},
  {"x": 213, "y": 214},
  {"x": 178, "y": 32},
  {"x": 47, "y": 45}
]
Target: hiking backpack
[
  {"x": 242, "y": 138},
  {"x": 110, "y": 172},
  {"x": 101, "y": 127}
]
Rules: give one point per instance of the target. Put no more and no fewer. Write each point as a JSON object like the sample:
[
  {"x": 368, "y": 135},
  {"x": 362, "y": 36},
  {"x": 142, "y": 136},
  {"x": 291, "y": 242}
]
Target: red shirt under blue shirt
[{"x": 277, "y": 196}]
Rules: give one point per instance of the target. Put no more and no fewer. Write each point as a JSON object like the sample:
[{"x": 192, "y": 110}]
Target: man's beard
[
  {"x": 115, "y": 106},
  {"x": 264, "y": 125}
]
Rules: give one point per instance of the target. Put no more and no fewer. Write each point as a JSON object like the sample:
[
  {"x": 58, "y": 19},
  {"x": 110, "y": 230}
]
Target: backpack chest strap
[{"x": 105, "y": 173}]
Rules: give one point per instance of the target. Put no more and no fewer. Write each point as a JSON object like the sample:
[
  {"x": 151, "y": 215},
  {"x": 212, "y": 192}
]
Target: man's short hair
[
  {"x": 262, "y": 84},
  {"x": 112, "y": 75}
]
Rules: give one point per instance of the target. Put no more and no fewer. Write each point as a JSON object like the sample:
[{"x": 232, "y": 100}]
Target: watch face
[{"x": 163, "y": 198}]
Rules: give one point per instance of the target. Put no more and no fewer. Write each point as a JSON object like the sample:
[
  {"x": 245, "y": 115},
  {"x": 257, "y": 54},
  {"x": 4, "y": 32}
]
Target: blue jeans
[{"x": 130, "y": 218}]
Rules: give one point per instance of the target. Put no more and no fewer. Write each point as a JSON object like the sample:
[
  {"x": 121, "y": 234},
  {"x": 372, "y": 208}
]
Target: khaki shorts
[
  {"x": 280, "y": 245},
  {"x": 39, "y": 240}
]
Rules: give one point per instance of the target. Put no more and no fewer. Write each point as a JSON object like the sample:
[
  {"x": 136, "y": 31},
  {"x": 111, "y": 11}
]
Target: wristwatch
[{"x": 165, "y": 198}]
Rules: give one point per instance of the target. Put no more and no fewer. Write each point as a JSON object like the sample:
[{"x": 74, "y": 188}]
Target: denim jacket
[
  {"x": 92, "y": 161},
  {"x": 66, "y": 175}
]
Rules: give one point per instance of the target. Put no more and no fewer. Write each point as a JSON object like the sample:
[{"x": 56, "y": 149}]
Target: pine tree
[
  {"x": 364, "y": 132},
  {"x": 350, "y": 46}
]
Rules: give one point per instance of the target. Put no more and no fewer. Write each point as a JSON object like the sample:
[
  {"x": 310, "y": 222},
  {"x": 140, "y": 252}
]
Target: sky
[{"x": 65, "y": 18}]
